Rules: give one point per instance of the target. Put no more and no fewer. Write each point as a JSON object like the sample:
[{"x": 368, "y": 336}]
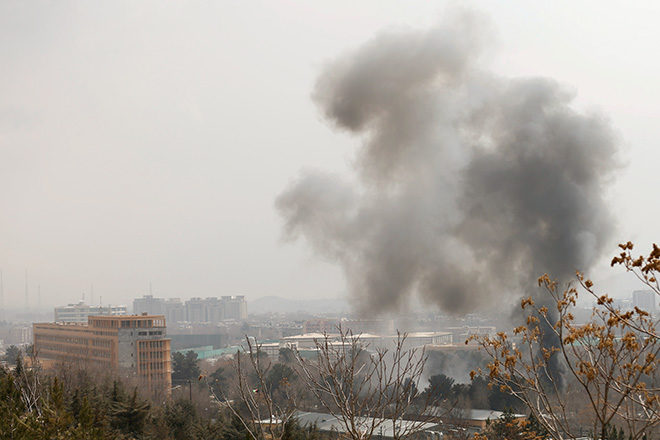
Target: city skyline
[{"x": 132, "y": 154}]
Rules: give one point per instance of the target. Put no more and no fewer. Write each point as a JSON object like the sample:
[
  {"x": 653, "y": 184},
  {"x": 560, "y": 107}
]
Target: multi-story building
[
  {"x": 376, "y": 326},
  {"x": 150, "y": 305},
  {"x": 135, "y": 345},
  {"x": 198, "y": 310},
  {"x": 355, "y": 326},
  {"x": 172, "y": 308},
  {"x": 462, "y": 334},
  {"x": 174, "y": 311},
  {"x": 623, "y": 304},
  {"x": 235, "y": 307},
  {"x": 272, "y": 349},
  {"x": 215, "y": 310},
  {"x": 645, "y": 300},
  {"x": 320, "y": 326},
  {"x": 79, "y": 312}
]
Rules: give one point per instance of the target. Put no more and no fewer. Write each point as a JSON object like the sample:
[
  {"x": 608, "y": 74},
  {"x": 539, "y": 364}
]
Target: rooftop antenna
[{"x": 39, "y": 295}]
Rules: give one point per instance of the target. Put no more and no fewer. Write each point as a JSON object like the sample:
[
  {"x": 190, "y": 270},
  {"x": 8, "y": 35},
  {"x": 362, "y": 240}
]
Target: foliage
[
  {"x": 129, "y": 415},
  {"x": 508, "y": 427},
  {"x": 350, "y": 379},
  {"x": 12, "y": 354},
  {"x": 280, "y": 376},
  {"x": 293, "y": 431},
  {"x": 71, "y": 405},
  {"x": 218, "y": 382},
  {"x": 266, "y": 399},
  {"x": 185, "y": 367},
  {"x": 476, "y": 394},
  {"x": 612, "y": 359},
  {"x": 287, "y": 356},
  {"x": 441, "y": 386},
  {"x": 180, "y": 416}
]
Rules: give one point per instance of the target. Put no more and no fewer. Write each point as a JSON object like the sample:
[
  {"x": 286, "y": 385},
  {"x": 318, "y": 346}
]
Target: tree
[
  {"x": 180, "y": 417},
  {"x": 185, "y": 367},
  {"x": 49, "y": 405},
  {"x": 218, "y": 382},
  {"x": 287, "y": 356},
  {"x": 12, "y": 354},
  {"x": 262, "y": 412},
  {"x": 280, "y": 375},
  {"x": 440, "y": 386},
  {"x": 508, "y": 427},
  {"x": 130, "y": 415},
  {"x": 351, "y": 382},
  {"x": 612, "y": 359}
]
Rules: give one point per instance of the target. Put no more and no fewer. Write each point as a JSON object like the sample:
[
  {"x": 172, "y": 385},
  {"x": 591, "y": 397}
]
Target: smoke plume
[{"x": 471, "y": 185}]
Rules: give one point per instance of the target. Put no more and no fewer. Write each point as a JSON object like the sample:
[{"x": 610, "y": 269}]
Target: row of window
[
  {"x": 152, "y": 366},
  {"x": 42, "y": 338},
  {"x": 66, "y": 350},
  {"x": 64, "y": 339},
  {"x": 154, "y": 333},
  {"x": 151, "y": 344},
  {"x": 151, "y": 354}
]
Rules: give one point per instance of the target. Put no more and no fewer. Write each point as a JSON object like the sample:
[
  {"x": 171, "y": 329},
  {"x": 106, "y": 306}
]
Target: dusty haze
[
  {"x": 471, "y": 185},
  {"x": 145, "y": 142}
]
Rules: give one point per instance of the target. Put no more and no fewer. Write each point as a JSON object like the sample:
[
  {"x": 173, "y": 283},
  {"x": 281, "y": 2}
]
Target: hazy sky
[{"x": 146, "y": 142}]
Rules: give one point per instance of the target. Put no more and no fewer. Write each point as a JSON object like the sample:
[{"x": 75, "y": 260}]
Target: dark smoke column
[{"x": 472, "y": 185}]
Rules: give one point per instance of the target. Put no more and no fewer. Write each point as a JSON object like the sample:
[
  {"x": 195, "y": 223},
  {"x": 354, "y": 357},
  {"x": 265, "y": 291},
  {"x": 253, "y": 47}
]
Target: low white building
[
  {"x": 305, "y": 341},
  {"x": 272, "y": 349},
  {"x": 79, "y": 312}
]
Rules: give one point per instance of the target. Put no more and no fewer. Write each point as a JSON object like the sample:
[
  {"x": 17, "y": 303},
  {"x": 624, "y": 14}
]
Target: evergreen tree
[
  {"x": 129, "y": 416},
  {"x": 12, "y": 354},
  {"x": 185, "y": 367}
]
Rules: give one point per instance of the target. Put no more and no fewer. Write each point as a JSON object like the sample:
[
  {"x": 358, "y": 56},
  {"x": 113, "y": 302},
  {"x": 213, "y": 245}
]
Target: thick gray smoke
[{"x": 471, "y": 185}]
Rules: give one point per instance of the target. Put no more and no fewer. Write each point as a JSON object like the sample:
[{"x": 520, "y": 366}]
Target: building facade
[
  {"x": 135, "y": 346},
  {"x": 645, "y": 300},
  {"x": 235, "y": 307},
  {"x": 197, "y": 310},
  {"x": 172, "y": 308},
  {"x": 79, "y": 312}
]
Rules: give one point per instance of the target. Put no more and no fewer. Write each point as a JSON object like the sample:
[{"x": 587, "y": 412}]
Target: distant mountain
[{"x": 276, "y": 304}]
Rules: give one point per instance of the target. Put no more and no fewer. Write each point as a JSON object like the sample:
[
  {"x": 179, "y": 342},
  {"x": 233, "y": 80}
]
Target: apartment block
[
  {"x": 79, "y": 312},
  {"x": 645, "y": 300},
  {"x": 173, "y": 309},
  {"x": 235, "y": 307},
  {"x": 197, "y": 310},
  {"x": 135, "y": 346},
  {"x": 214, "y": 310}
]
